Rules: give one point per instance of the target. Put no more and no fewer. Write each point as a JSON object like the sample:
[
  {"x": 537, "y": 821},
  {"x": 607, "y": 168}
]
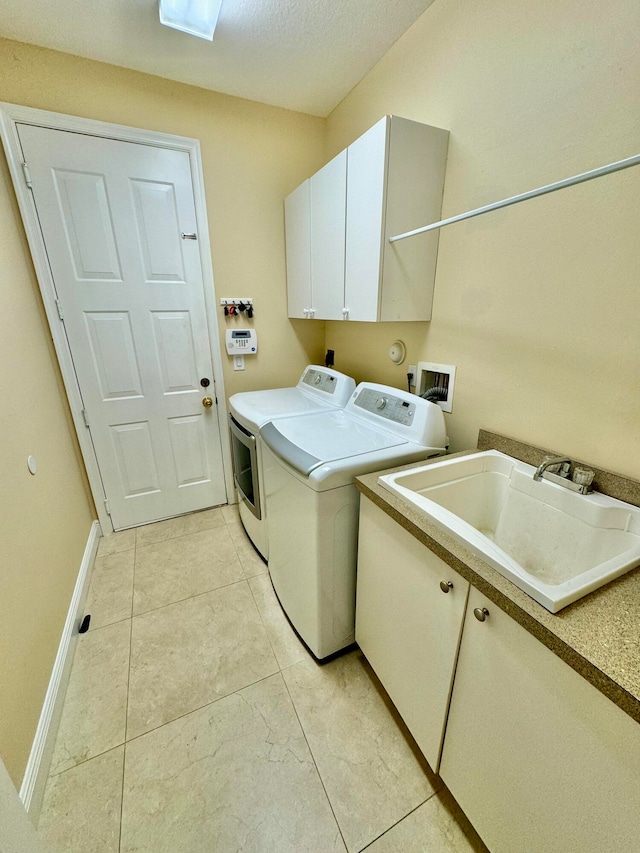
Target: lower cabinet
[
  {"x": 409, "y": 611},
  {"x": 538, "y": 759}
]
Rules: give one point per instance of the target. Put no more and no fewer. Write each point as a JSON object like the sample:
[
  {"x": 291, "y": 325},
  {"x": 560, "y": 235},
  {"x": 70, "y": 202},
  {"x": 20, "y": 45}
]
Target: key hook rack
[{"x": 237, "y": 306}]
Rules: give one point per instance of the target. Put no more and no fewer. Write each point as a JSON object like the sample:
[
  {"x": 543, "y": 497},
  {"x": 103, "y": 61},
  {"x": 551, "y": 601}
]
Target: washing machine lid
[
  {"x": 319, "y": 389},
  {"x": 326, "y": 437}
]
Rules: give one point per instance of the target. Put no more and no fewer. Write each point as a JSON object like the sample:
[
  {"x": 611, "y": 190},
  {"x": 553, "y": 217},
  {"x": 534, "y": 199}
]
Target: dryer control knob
[
  {"x": 318, "y": 379},
  {"x": 381, "y": 402}
]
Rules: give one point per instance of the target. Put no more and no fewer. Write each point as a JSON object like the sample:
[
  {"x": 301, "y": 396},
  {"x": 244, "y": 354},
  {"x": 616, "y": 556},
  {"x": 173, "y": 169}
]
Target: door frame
[{"x": 10, "y": 116}]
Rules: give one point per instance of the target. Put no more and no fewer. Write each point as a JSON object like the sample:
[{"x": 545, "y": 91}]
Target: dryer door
[{"x": 245, "y": 465}]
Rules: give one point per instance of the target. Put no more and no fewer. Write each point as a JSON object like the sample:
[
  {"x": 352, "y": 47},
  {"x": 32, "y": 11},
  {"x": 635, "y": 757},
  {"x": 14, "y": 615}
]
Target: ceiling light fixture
[{"x": 196, "y": 17}]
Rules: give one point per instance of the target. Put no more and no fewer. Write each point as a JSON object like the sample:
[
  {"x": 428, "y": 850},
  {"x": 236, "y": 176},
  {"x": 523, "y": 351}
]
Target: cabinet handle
[
  {"x": 345, "y": 313},
  {"x": 445, "y": 586},
  {"x": 480, "y": 613}
]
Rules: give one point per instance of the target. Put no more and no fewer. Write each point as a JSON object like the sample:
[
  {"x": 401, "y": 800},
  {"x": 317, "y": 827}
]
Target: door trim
[{"x": 10, "y": 116}]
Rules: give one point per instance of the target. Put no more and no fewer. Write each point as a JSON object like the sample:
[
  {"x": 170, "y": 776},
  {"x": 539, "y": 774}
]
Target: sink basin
[{"x": 553, "y": 544}]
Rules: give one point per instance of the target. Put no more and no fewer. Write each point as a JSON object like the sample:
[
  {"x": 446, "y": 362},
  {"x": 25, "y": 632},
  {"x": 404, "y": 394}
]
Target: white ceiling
[{"x": 304, "y": 55}]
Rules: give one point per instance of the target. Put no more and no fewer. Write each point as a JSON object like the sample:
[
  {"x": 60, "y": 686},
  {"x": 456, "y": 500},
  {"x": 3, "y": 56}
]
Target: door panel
[
  {"x": 174, "y": 348},
  {"x": 114, "y": 356},
  {"x": 86, "y": 217},
  {"x": 112, "y": 214},
  {"x": 157, "y": 221},
  {"x": 189, "y": 449}
]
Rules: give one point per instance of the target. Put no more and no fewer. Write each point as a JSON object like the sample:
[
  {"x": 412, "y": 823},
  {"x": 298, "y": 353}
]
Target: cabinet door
[
  {"x": 365, "y": 206},
  {"x": 328, "y": 199},
  {"x": 408, "y": 629},
  {"x": 297, "y": 220},
  {"x": 538, "y": 759}
]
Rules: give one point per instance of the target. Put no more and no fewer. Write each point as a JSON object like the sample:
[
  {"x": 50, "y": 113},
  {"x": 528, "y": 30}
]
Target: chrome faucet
[
  {"x": 578, "y": 481},
  {"x": 549, "y": 462}
]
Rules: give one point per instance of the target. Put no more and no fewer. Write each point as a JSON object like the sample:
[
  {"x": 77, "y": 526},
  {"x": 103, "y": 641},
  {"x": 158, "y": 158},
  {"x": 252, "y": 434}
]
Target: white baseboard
[{"x": 35, "y": 776}]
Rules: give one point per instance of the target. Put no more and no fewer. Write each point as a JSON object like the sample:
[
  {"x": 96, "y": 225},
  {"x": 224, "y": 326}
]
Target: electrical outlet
[{"x": 413, "y": 370}]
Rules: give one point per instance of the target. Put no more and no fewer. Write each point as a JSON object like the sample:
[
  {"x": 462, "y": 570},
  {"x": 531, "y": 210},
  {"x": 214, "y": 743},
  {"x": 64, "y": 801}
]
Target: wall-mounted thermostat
[{"x": 241, "y": 341}]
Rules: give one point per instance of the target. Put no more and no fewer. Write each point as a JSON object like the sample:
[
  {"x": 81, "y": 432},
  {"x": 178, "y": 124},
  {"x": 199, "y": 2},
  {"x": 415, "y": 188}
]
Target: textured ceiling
[{"x": 303, "y": 55}]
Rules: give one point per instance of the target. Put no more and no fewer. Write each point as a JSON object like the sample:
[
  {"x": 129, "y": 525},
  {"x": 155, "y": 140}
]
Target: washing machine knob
[
  {"x": 381, "y": 402},
  {"x": 318, "y": 379}
]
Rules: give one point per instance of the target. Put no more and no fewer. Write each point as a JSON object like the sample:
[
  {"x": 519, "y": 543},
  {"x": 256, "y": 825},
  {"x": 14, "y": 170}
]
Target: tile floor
[{"x": 195, "y": 720}]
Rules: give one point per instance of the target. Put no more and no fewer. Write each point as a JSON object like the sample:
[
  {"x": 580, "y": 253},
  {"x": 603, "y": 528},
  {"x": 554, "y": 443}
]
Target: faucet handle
[{"x": 582, "y": 476}]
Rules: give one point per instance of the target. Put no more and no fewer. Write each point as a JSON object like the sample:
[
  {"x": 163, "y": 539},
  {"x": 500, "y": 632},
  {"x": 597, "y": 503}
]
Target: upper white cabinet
[
  {"x": 328, "y": 203},
  {"x": 388, "y": 181},
  {"x": 297, "y": 217}
]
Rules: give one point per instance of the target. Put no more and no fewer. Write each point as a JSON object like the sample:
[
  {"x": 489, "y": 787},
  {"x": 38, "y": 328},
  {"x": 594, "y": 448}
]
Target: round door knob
[
  {"x": 445, "y": 586},
  {"x": 207, "y": 402},
  {"x": 381, "y": 402},
  {"x": 480, "y": 613}
]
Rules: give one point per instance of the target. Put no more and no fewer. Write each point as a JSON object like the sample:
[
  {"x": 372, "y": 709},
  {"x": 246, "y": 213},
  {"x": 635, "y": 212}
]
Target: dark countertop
[{"x": 598, "y": 636}]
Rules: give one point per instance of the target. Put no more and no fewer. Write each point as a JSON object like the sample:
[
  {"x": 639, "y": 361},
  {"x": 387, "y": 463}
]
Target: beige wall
[
  {"x": 46, "y": 518},
  {"x": 537, "y": 305},
  {"x": 253, "y": 155}
]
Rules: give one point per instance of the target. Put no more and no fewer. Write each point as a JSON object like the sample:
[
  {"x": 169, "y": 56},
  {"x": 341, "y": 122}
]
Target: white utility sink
[{"x": 553, "y": 544}]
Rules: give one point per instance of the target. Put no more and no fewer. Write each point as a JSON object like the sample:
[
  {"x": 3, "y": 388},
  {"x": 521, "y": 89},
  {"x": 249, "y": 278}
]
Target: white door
[{"x": 119, "y": 225}]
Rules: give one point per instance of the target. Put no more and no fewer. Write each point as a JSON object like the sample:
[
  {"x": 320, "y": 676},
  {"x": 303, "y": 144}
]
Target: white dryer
[
  {"x": 319, "y": 389},
  {"x": 309, "y": 465}
]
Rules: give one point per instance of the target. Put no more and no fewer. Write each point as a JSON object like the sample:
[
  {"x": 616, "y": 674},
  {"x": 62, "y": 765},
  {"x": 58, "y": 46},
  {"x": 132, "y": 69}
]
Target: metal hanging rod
[{"x": 549, "y": 188}]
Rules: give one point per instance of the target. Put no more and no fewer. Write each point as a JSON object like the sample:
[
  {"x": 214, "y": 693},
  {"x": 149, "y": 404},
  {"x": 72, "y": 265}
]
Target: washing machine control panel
[
  {"x": 320, "y": 381},
  {"x": 387, "y": 406}
]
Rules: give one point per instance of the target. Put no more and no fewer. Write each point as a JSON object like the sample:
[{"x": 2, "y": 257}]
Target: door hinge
[
  {"x": 27, "y": 175},
  {"x": 59, "y": 307},
  {"x": 106, "y": 506},
  {"x": 86, "y": 419}
]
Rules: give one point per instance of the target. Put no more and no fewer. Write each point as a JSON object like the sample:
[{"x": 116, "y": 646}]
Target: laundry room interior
[{"x": 536, "y": 304}]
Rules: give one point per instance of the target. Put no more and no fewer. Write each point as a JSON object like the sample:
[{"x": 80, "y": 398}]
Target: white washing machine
[
  {"x": 309, "y": 465},
  {"x": 319, "y": 389}
]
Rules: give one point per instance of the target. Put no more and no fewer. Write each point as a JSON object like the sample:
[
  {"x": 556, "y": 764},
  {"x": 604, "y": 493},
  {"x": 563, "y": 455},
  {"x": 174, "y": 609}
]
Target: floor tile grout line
[
  {"x": 85, "y": 761},
  {"x": 201, "y": 707},
  {"x": 124, "y": 760},
  {"x": 189, "y": 597},
  {"x": 313, "y": 758},
  {"x": 176, "y": 535},
  {"x": 388, "y": 829},
  {"x": 273, "y": 651}
]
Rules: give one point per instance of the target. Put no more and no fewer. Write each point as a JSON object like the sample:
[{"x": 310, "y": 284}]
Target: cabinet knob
[
  {"x": 480, "y": 613},
  {"x": 445, "y": 586}
]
